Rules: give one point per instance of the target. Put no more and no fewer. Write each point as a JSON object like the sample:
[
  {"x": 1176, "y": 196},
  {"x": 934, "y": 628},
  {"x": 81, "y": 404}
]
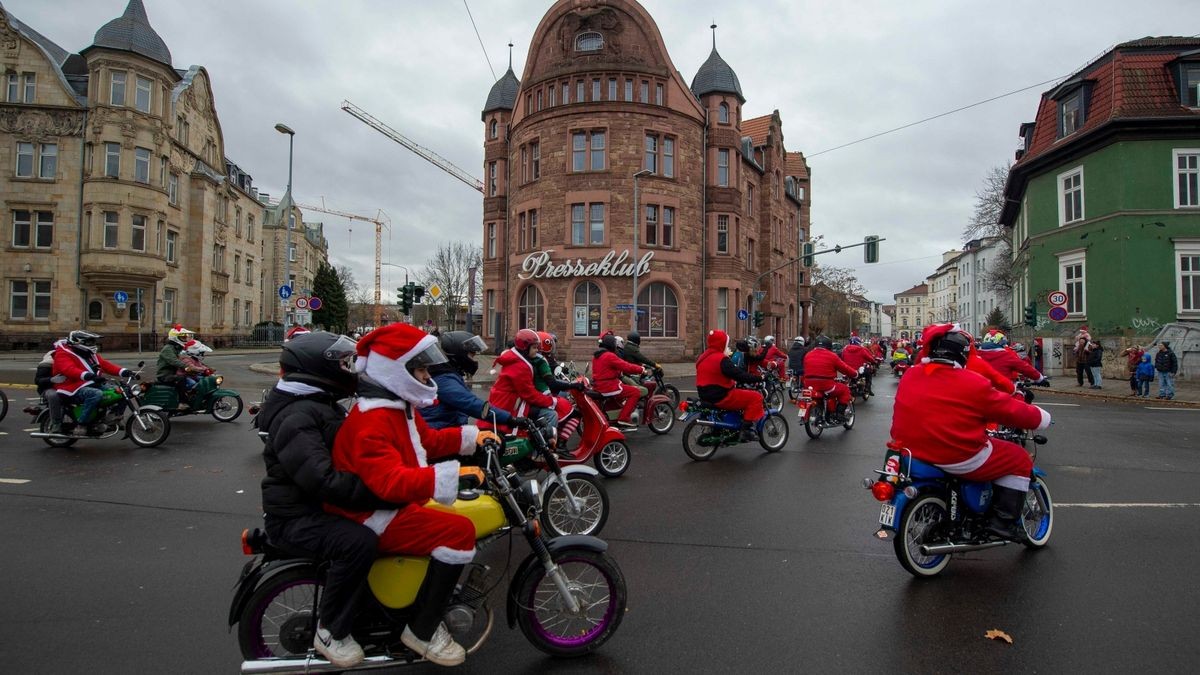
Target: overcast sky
[{"x": 836, "y": 71}]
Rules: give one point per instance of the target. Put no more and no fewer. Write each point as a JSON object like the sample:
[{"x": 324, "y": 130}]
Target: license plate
[
  {"x": 887, "y": 514},
  {"x": 803, "y": 408}
]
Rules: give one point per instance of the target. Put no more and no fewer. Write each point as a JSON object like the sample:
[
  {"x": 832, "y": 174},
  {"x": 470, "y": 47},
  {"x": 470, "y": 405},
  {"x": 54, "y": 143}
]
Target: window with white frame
[
  {"x": 722, "y": 309},
  {"x": 30, "y": 82},
  {"x": 29, "y": 300},
  {"x": 587, "y": 310},
  {"x": 117, "y": 90},
  {"x": 169, "y": 305},
  {"x": 492, "y": 179},
  {"x": 48, "y": 160},
  {"x": 172, "y": 245},
  {"x": 590, "y": 41},
  {"x": 13, "y": 90},
  {"x": 138, "y": 241},
  {"x": 1070, "y": 114},
  {"x": 237, "y": 269},
  {"x": 249, "y": 314},
  {"x": 1072, "y": 271},
  {"x": 1187, "y": 271},
  {"x": 723, "y": 113},
  {"x": 596, "y": 224},
  {"x": 662, "y": 311},
  {"x": 1070, "y": 196},
  {"x": 237, "y": 315},
  {"x": 112, "y": 226},
  {"x": 491, "y": 240},
  {"x": 1187, "y": 178},
  {"x": 249, "y": 272},
  {"x": 722, "y": 234},
  {"x": 112, "y": 160},
  {"x": 141, "y": 98},
  {"x": 531, "y": 308},
  {"x": 723, "y": 168},
  {"x": 173, "y": 189},
  {"x": 24, "y": 160}
]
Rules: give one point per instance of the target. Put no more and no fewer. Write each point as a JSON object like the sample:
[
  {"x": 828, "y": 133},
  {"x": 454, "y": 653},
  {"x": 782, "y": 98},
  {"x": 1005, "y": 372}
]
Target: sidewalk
[
  {"x": 484, "y": 376},
  {"x": 1187, "y": 392},
  {"x": 148, "y": 355}
]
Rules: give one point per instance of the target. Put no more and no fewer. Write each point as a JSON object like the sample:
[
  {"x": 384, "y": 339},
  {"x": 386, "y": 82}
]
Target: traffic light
[
  {"x": 871, "y": 250},
  {"x": 418, "y": 292},
  {"x": 1031, "y": 315},
  {"x": 405, "y": 298},
  {"x": 758, "y": 318},
  {"x": 808, "y": 254}
]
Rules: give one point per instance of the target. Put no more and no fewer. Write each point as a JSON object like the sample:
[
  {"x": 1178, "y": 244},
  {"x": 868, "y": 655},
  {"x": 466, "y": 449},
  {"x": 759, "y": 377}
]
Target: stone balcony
[{"x": 111, "y": 271}]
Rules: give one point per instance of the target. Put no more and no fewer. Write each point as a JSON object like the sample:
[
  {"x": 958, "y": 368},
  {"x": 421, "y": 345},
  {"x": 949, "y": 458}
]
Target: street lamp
[
  {"x": 287, "y": 256},
  {"x": 636, "y": 236}
]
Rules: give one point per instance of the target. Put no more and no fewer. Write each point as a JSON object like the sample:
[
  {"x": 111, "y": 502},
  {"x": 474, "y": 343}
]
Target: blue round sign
[
  {"x": 743, "y": 315},
  {"x": 1057, "y": 313},
  {"x": 285, "y": 292},
  {"x": 121, "y": 296}
]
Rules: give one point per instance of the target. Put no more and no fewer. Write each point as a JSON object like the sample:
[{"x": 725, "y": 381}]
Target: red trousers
[
  {"x": 1008, "y": 464},
  {"x": 830, "y": 387},
  {"x": 629, "y": 398},
  {"x": 749, "y": 402},
  {"x": 416, "y": 530}
]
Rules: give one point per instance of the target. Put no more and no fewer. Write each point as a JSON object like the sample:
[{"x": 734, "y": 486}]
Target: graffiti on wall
[{"x": 1144, "y": 323}]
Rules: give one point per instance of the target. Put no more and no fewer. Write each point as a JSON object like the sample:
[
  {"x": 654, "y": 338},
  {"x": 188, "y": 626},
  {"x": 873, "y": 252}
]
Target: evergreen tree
[
  {"x": 334, "y": 311},
  {"x": 998, "y": 319}
]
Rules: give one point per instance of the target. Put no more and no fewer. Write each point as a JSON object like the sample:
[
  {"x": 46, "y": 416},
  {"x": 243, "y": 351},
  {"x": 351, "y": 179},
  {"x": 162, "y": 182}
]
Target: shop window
[
  {"x": 587, "y": 310},
  {"x": 531, "y": 309},
  {"x": 662, "y": 311}
]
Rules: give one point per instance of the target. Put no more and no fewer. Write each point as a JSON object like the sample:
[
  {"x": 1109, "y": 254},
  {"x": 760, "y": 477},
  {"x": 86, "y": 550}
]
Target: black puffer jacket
[{"x": 300, "y": 474}]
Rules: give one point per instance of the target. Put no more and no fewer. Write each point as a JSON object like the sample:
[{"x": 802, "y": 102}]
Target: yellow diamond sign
[{"x": 435, "y": 291}]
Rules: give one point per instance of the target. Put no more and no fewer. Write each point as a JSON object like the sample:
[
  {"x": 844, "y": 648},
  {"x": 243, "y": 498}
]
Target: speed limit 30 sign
[{"x": 1057, "y": 298}]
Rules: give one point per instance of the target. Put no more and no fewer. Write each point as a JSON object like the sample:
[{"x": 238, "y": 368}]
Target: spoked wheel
[
  {"x": 613, "y": 459},
  {"x": 774, "y": 398},
  {"x": 691, "y": 441},
  {"x": 865, "y": 395},
  {"x": 849, "y": 423},
  {"x": 919, "y": 523},
  {"x": 598, "y": 587},
  {"x": 672, "y": 393},
  {"x": 591, "y": 498},
  {"x": 44, "y": 427},
  {"x": 813, "y": 424},
  {"x": 4, "y": 405},
  {"x": 227, "y": 408},
  {"x": 1037, "y": 515},
  {"x": 773, "y": 434},
  {"x": 662, "y": 417},
  {"x": 278, "y": 619},
  {"x": 148, "y": 428}
]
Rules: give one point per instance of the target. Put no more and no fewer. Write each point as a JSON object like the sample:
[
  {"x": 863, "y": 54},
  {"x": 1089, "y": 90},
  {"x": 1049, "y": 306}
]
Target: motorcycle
[
  {"x": 207, "y": 397},
  {"x": 860, "y": 386},
  {"x": 899, "y": 368},
  {"x": 599, "y": 441},
  {"x": 710, "y": 428},
  {"x": 572, "y": 498},
  {"x": 818, "y": 412},
  {"x": 567, "y": 596},
  {"x": 146, "y": 425},
  {"x": 655, "y": 409},
  {"x": 931, "y": 515},
  {"x": 773, "y": 387}
]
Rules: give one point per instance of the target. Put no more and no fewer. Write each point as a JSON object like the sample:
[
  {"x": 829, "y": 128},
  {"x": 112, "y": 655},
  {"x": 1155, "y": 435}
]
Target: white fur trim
[
  {"x": 394, "y": 376},
  {"x": 414, "y": 436},
  {"x": 969, "y": 465},
  {"x": 1045, "y": 424},
  {"x": 369, "y": 404},
  {"x": 445, "y": 487},
  {"x": 378, "y": 521},
  {"x": 470, "y": 434},
  {"x": 452, "y": 556},
  {"x": 1015, "y": 482},
  {"x": 297, "y": 388}
]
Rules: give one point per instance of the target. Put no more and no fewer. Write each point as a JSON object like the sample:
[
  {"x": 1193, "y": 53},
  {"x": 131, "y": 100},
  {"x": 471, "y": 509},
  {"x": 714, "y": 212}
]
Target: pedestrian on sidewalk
[
  {"x": 1082, "y": 339},
  {"x": 1167, "y": 364},
  {"x": 1095, "y": 362},
  {"x": 1144, "y": 375},
  {"x": 1133, "y": 358}
]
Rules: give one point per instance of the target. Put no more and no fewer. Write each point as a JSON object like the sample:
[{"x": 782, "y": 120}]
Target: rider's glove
[
  {"x": 520, "y": 421},
  {"x": 472, "y": 474},
  {"x": 91, "y": 377},
  {"x": 485, "y": 436}
]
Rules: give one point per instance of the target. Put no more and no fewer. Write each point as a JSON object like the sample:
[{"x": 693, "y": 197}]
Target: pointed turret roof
[
  {"x": 716, "y": 75},
  {"x": 131, "y": 32},
  {"x": 503, "y": 95}
]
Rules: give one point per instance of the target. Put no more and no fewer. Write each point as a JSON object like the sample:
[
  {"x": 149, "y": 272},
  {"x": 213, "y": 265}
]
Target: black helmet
[
  {"x": 83, "y": 340},
  {"x": 634, "y": 338},
  {"x": 321, "y": 359},
  {"x": 823, "y": 342},
  {"x": 609, "y": 342},
  {"x": 953, "y": 347},
  {"x": 460, "y": 348}
]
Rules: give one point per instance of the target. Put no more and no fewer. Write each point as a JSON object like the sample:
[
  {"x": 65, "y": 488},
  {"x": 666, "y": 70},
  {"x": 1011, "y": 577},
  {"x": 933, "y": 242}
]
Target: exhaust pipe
[
  {"x": 315, "y": 665},
  {"x": 942, "y": 549}
]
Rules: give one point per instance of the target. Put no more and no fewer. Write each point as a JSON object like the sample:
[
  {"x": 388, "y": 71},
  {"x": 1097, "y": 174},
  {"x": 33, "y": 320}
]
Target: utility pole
[{"x": 287, "y": 223}]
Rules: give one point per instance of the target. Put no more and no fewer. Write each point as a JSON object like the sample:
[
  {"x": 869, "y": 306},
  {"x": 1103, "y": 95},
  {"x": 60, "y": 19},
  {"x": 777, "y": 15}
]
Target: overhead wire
[{"x": 478, "y": 37}]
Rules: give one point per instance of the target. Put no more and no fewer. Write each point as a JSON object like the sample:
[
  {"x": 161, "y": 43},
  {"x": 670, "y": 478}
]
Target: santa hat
[
  {"x": 296, "y": 330},
  {"x": 383, "y": 355}
]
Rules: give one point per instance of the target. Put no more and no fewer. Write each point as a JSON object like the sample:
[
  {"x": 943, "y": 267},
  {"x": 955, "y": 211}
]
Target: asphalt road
[{"x": 118, "y": 559}]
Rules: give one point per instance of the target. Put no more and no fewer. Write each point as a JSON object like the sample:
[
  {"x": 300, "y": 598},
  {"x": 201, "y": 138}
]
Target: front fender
[
  {"x": 566, "y": 471},
  {"x": 254, "y": 574},
  {"x": 555, "y": 545},
  {"x": 224, "y": 392}
]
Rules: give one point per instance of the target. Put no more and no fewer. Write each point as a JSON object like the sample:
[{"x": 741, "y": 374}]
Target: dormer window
[
  {"x": 589, "y": 42},
  {"x": 1072, "y": 99},
  {"x": 1190, "y": 79}
]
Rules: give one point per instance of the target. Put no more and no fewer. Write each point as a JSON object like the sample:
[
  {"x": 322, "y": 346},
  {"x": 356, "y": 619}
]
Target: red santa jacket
[
  {"x": 390, "y": 451},
  {"x": 1007, "y": 363},
  {"x": 716, "y": 373},
  {"x": 823, "y": 364},
  {"x": 73, "y": 366},
  {"x": 941, "y": 413},
  {"x": 514, "y": 390},
  {"x": 607, "y": 369},
  {"x": 855, "y": 356}
]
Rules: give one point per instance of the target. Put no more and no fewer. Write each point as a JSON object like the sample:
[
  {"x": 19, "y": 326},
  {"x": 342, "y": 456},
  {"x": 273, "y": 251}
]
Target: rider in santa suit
[
  {"x": 856, "y": 356},
  {"x": 387, "y": 443},
  {"x": 821, "y": 366},
  {"x": 716, "y": 377},
  {"x": 1001, "y": 357},
  {"x": 941, "y": 413}
]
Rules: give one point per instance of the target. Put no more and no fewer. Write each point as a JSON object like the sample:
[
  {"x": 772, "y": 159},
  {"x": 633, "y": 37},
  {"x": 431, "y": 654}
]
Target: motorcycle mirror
[
  {"x": 141, "y": 363},
  {"x": 1039, "y": 439}
]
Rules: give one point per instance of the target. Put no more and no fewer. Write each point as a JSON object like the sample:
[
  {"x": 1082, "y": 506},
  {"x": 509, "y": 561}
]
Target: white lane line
[
  {"x": 1132, "y": 505},
  {"x": 14, "y": 481},
  {"x": 1150, "y": 407},
  {"x": 1065, "y": 405},
  {"x": 32, "y": 429}
]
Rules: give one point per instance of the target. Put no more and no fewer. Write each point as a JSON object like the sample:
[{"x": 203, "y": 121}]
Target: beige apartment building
[{"x": 114, "y": 180}]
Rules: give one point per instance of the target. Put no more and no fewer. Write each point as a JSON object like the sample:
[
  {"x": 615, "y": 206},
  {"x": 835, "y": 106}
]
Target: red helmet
[
  {"x": 525, "y": 338},
  {"x": 545, "y": 342}
]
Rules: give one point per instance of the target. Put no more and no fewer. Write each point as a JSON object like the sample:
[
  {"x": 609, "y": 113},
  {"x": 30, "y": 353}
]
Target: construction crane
[
  {"x": 381, "y": 221},
  {"x": 421, "y": 151}
]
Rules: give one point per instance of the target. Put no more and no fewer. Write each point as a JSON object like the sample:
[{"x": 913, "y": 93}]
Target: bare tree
[
  {"x": 450, "y": 269},
  {"x": 989, "y": 202},
  {"x": 834, "y": 292}
]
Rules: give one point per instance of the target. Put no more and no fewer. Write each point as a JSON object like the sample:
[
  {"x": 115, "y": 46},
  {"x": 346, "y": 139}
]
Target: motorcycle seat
[{"x": 921, "y": 469}]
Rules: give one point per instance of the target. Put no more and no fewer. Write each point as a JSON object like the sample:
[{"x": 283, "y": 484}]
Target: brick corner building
[{"x": 601, "y": 121}]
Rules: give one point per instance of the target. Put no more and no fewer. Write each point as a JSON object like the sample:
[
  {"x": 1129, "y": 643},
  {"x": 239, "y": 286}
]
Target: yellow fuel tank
[{"x": 485, "y": 512}]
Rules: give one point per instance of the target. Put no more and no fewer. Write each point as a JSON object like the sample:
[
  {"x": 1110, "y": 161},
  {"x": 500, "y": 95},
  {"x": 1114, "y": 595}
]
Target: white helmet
[
  {"x": 798, "y": 341},
  {"x": 179, "y": 335},
  {"x": 620, "y": 341},
  {"x": 197, "y": 349},
  {"x": 769, "y": 340}
]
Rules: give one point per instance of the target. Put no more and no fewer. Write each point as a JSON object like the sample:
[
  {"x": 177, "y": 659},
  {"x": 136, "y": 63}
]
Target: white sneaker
[
  {"x": 343, "y": 653},
  {"x": 441, "y": 648}
]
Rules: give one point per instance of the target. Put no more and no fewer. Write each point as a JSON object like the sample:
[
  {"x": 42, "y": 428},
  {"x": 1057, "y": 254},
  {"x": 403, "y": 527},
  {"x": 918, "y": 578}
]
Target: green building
[{"x": 1103, "y": 202}]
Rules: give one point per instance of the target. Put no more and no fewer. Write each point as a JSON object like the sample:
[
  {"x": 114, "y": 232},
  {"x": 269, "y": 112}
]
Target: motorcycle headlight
[
  {"x": 532, "y": 489},
  {"x": 220, "y": 379}
]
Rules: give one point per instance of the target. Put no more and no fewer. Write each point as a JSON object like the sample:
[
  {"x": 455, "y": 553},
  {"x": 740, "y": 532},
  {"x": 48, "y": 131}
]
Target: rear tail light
[
  {"x": 883, "y": 491},
  {"x": 247, "y": 549},
  {"x": 683, "y": 406}
]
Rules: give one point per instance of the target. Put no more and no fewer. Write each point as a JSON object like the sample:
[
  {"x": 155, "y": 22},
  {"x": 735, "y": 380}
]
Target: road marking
[
  {"x": 32, "y": 429},
  {"x": 1150, "y": 407},
  {"x": 1065, "y": 405},
  {"x": 1132, "y": 505},
  {"x": 14, "y": 481},
  {"x": 6, "y": 385}
]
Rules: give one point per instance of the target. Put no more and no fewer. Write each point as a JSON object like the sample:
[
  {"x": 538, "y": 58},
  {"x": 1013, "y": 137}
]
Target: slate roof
[
  {"x": 56, "y": 53},
  {"x": 503, "y": 95},
  {"x": 1131, "y": 81},
  {"x": 716, "y": 76},
  {"x": 757, "y": 128},
  {"x": 131, "y": 32}
]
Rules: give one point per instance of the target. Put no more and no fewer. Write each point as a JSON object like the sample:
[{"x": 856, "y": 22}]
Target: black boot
[
  {"x": 1006, "y": 511},
  {"x": 748, "y": 434},
  {"x": 426, "y": 625},
  {"x": 840, "y": 413}
]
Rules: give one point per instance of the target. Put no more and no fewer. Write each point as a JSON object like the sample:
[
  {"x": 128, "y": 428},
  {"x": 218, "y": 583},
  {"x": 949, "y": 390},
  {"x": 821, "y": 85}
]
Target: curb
[{"x": 1123, "y": 399}]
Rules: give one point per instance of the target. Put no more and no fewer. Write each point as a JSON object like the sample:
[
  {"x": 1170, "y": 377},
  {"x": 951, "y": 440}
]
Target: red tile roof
[
  {"x": 757, "y": 128},
  {"x": 1132, "y": 80},
  {"x": 795, "y": 165},
  {"x": 920, "y": 289}
]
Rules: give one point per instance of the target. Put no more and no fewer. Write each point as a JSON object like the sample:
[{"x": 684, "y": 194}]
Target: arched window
[
  {"x": 95, "y": 311},
  {"x": 495, "y": 130},
  {"x": 135, "y": 311},
  {"x": 531, "y": 311},
  {"x": 723, "y": 113},
  {"x": 587, "y": 309},
  {"x": 589, "y": 42},
  {"x": 662, "y": 311}
]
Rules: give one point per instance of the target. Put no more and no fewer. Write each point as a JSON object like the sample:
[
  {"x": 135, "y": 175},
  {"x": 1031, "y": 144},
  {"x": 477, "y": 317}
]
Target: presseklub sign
[{"x": 538, "y": 265}]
